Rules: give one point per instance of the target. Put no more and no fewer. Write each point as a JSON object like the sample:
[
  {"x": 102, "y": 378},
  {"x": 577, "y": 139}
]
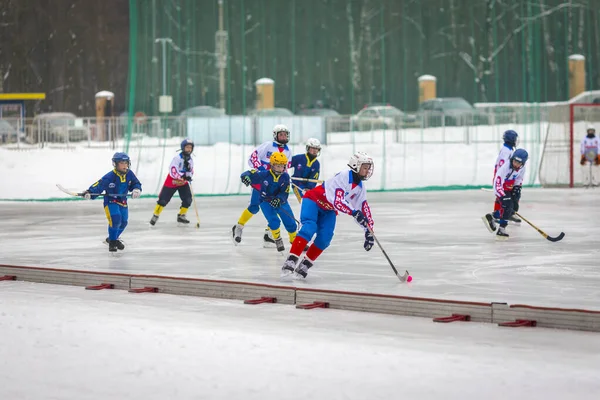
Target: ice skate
[
  {"x": 488, "y": 220},
  {"x": 288, "y": 266},
  {"x": 279, "y": 244},
  {"x": 268, "y": 242},
  {"x": 302, "y": 270},
  {"x": 112, "y": 246},
  {"x": 153, "y": 220},
  {"x": 236, "y": 231},
  {"x": 181, "y": 218},
  {"x": 120, "y": 244},
  {"x": 501, "y": 234}
]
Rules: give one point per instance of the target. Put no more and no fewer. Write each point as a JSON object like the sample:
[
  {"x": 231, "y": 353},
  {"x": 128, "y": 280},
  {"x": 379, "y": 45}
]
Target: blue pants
[
  {"x": 117, "y": 219},
  {"x": 284, "y": 212},
  {"x": 317, "y": 221},
  {"x": 255, "y": 201}
]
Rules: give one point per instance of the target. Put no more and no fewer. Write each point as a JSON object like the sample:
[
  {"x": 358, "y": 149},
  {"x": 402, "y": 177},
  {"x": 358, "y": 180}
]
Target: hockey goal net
[{"x": 567, "y": 125}]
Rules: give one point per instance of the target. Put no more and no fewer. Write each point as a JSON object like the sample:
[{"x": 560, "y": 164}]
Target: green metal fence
[{"x": 344, "y": 54}]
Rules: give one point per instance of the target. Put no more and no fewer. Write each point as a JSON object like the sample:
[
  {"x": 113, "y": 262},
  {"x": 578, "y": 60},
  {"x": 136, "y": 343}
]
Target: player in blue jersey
[
  {"x": 259, "y": 160},
  {"x": 306, "y": 166},
  {"x": 116, "y": 184},
  {"x": 273, "y": 188}
]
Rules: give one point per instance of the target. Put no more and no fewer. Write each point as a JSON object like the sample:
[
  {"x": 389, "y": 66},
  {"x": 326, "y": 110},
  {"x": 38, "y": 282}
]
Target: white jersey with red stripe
[
  {"x": 259, "y": 159},
  {"x": 341, "y": 194},
  {"x": 178, "y": 170},
  {"x": 590, "y": 146},
  {"x": 507, "y": 178},
  {"x": 503, "y": 157}
]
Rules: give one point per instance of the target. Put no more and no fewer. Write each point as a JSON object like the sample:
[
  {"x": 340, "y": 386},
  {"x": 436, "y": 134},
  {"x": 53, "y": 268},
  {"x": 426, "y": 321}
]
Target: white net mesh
[{"x": 556, "y": 165}]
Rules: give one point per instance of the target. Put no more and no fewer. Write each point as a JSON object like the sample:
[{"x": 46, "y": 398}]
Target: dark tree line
[{"x": 69, "y": 49}]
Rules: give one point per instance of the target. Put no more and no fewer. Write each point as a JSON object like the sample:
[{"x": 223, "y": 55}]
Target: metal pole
[
  {"x": 221, "y": 67},
  {"x": 164, "y": 41}
]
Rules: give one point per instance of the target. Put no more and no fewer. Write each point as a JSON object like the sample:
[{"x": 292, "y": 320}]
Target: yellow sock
[
  {"x": 182, "y": 210},
  {"x": 276, "y": 233},
  {"x": 245, "y": 217},
  {"x": 158, "y": 209},
  {"x": 292, "y": 236}
]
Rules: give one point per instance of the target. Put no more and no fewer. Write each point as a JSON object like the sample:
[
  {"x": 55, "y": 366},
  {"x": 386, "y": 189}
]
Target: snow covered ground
[
  {"x": 71, "y": 344},
  {"x": 32, "y": 173}
]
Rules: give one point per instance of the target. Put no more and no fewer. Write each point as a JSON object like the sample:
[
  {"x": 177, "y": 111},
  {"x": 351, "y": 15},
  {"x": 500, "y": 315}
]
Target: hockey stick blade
[
  {"x": 541, "y": 232},
  {"x": 63, "y": 189},
  {"x": 402, "y": 277},
  {"x": 556, "y": 239}
]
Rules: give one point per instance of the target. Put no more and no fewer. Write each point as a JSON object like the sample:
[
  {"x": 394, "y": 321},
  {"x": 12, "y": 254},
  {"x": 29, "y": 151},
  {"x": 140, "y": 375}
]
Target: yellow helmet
[{"x": 278, "y": 158}]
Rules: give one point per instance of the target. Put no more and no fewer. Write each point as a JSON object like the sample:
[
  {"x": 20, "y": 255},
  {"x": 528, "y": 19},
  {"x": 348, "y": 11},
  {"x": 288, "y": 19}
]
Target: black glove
[
  {"x": 187, "y": 178},
  {"x": 507, "y": 206},
  {"x": 246, "y": 180},
  {"x": 583, "y": 160},
  {"x": 360, "y": 218},
  {"x": 276, "y": 202},
  {"x": 516, "y": 195},
  {"x": 369, "y": 241}
]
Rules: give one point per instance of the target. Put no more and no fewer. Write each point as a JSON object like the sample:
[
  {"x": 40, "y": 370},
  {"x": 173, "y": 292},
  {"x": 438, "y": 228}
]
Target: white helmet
[
  {"x": 589, "y": 128},
  {"x": 281, "y": 128},
  {"x": 313, "y": 143},
  {"x": 357, "y": 160}
]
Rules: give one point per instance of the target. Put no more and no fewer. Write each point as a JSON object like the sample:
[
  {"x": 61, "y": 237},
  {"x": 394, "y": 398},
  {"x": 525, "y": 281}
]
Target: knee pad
[
  {"x": 186, "y": 202},
  {"x": 116, "y": 220},
  {"x": 322, "y": 241},
  {"x": 308, "y": 230},
  {"x": 253, "y": 208},
  {"x": 274, "y": 224}
]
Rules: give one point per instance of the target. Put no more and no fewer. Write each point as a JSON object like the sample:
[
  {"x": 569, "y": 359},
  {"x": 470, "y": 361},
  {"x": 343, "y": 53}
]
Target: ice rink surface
[{"x": 438, "y": 236}]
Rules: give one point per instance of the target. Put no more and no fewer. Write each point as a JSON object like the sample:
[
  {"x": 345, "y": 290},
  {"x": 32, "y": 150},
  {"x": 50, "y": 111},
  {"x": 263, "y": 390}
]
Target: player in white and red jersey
[
  {"x": 507, "y": 188},
  {"x": 510, "y": 138},
  {"x": 590, "y": 154},
  {"x": 259, "y": 160},
  {"x": 345, "y": 193},
  {"x": 180, "y": 174}
]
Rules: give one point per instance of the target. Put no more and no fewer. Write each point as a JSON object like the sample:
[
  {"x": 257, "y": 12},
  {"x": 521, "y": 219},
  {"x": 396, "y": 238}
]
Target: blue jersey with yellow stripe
[
  {"x": 270, "y": 185},
  {"x": 305, "y": 168},
  {"x": 116, "y": 184}
]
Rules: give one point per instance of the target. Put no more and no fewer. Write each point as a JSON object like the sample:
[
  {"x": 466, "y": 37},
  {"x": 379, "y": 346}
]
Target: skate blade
[
  {"x": 485, "y": 222},
  {"x": 502, "y": 238},
  {"x": 298, "y": 277},
  {"x": 286, "y": 275},
  {"x": 268, "y": 245}
]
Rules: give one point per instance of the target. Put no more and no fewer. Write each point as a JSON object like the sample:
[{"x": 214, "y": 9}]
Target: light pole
[
  {"x": 221, "y": 50},
  {"x": 164, "y": 42},
  {"x": 165, "y": 102}
]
